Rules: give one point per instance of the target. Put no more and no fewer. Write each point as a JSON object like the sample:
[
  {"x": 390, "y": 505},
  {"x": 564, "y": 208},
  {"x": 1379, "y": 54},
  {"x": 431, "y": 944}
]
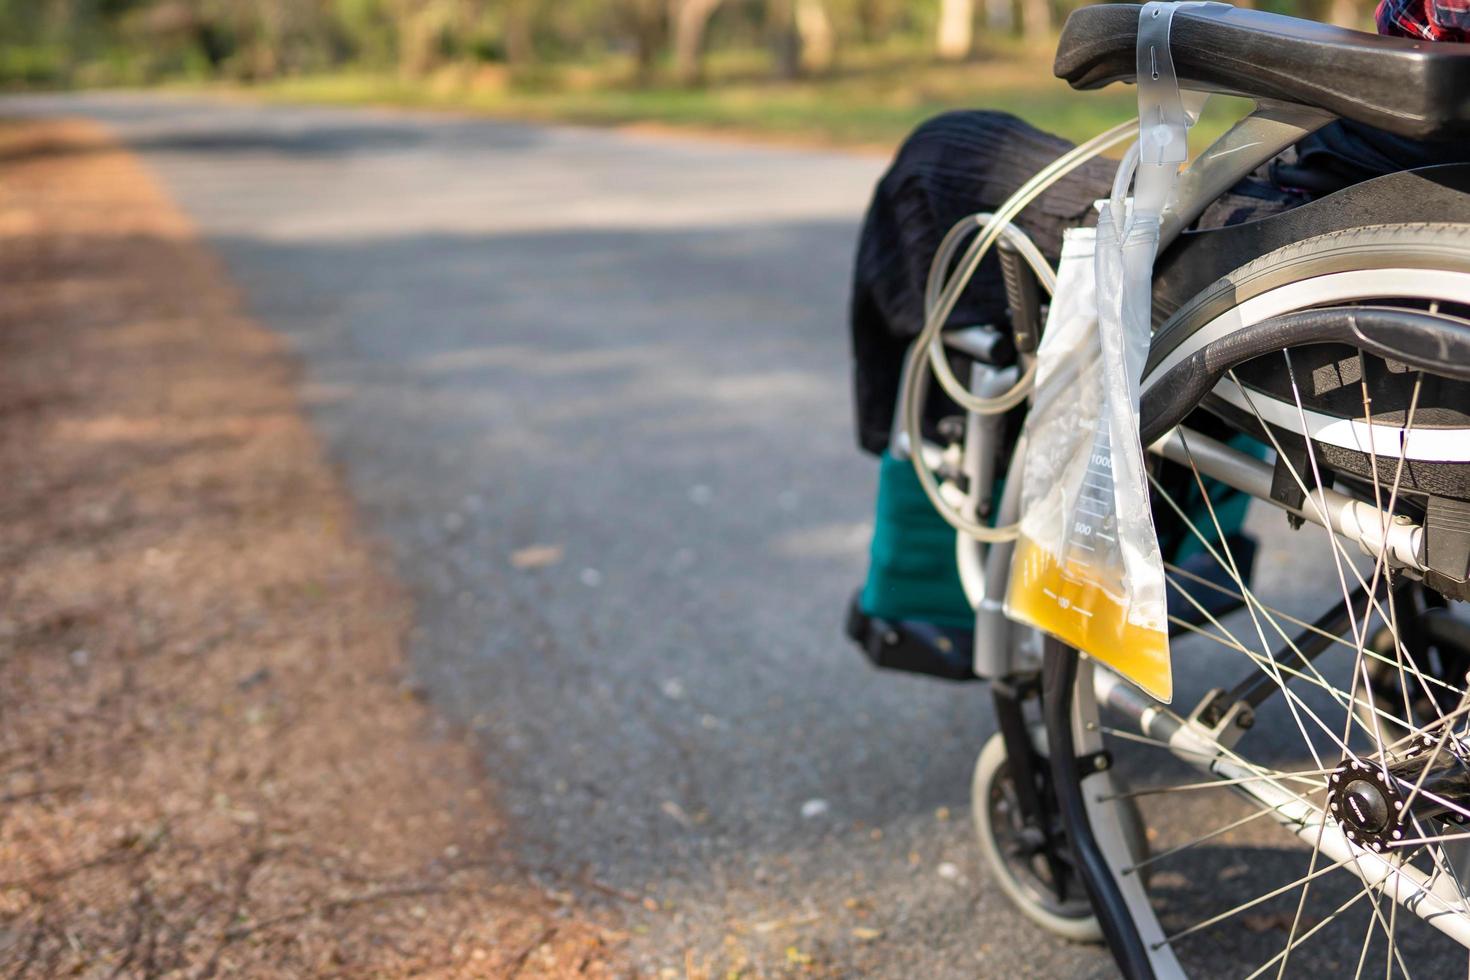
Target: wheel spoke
[
  {"x": 1382, "y": 597},
  {"x": 1338, "y": 555},
  {"x": 1367, "y": 890},
  {"x": 1302, "y": 624},
  {"x": 1359, "y": 636},
  {"x": 1380, "y": 561},
  {"x": 1442, "y": 865},
  {"x": 1384, "y": 515},
  {"x": 1178, "y": 848},
  {"x": 1231, "y": 643},
  {"x": 1418, "y": 788},
  {"x": 1363, "y": 953},
  {"x": 1146, "y": 740},
  {"x": 1376, "y": 894},
  {"x": 1444, "y": 722},
  {"x": 1301, "y": 902},
  {"x": 1337, "y": 548},
  {"x": 1431, "y": 839},
  {"x": 1300, "y": 777},
  {"x": 1294, "y": 943},
  {"x": 1270, "y": 665},
  {"x": 1239, "y": 580},
  {"x": 1222, "y": 916}
]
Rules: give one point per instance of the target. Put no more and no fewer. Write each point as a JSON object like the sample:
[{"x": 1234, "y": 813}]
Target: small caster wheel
[{"x": 1048, "y": 892}]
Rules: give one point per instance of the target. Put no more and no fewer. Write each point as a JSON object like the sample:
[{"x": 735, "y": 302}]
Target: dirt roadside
[{"x": 211, "y": 761}]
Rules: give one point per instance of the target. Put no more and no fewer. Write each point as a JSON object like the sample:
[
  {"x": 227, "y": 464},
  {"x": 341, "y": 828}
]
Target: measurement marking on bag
[{"x": 1065, "y": 603}]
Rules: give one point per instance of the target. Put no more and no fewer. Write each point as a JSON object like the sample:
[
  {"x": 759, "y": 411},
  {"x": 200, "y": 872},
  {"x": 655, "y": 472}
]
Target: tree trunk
[
  {"x": 1000, "y": 16},
  {"x": 818, "y": 40},
  {"x": 785, "y": 40},
  {"x": 872, "y": 18},
  {"x": 956, "y": 35},
  {"x": 520, "y": 40},
  {"x": 691, "y": 18},
  {"x": 647, "y": 23},
  {"x": 1036, "y": 19}
]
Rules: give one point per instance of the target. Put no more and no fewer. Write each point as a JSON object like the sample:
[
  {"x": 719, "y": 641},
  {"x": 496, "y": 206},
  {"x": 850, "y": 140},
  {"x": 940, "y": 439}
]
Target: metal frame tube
[
  {"x": 1270, "y": 128},
  {"x": 1435, "y": 900},
  {"x": 1359, "y": 522},
  {"x": 996, "y": 653}
]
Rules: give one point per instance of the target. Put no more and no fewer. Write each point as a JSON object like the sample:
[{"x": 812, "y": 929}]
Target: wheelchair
[{"x": 1303, "y": 803}]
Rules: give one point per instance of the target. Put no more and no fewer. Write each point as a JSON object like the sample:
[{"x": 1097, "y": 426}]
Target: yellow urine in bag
[{"x": 1060, "y": 600}]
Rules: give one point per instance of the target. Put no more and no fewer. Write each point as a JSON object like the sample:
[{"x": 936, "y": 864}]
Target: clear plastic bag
[{"x": 1087, "y": 566}]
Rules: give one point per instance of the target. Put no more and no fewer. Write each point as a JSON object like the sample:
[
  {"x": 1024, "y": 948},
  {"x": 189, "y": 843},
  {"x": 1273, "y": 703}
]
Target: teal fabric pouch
[{"x": 912, "y": 573}]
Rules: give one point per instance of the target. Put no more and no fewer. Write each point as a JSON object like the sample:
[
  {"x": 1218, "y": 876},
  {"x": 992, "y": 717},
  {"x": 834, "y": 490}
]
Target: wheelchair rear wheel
[{"x": 1307, "y": 795}]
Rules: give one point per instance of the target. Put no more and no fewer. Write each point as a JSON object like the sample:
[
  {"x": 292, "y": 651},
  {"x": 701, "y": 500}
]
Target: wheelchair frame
[{"x": 1015, "y": 659}]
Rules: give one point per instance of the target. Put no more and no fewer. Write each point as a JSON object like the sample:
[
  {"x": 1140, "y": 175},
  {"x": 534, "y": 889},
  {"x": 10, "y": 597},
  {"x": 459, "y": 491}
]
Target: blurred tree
[
  {"x": 874, "y": 20},
  {"x": 427, "y": 30},
  {"x": 691, "y": 23},
  {"x": 172, "y": 36},
  {"x": 135, "y": 40},
  {"x": 956, "y": 33},
  {"x": 817, "y": 37},
  {"x": 262, "y": 39},
  {"x": 520, "y": 34},
  {"x": 1000, "y": 16},
  {"x": 646, "y": 23},
  {"x": 802, "y": 37},
  {"x": 1036, "y": 19},
  {"x": 369, "y": 30},
  {"x": 785, "y": 42}
]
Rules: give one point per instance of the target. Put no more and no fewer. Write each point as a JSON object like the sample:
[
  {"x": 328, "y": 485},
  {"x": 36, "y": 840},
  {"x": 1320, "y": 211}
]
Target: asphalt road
[
  {"x": 631, "y": 349},
  {"x": 621, "y": 359}
]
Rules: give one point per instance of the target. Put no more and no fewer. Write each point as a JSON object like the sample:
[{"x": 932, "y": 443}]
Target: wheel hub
[
  {"x": 1375, "y": 805},
  {"x": 1367, "y": 805}
]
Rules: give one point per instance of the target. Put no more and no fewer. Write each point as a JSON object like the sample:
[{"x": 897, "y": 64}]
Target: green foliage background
[{"x": 845, "y": 70}]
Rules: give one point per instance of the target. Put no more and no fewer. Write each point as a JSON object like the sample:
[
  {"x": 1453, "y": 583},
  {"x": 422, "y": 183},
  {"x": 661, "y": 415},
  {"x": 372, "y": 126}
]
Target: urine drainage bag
[{"x": 1087, "y": 566}]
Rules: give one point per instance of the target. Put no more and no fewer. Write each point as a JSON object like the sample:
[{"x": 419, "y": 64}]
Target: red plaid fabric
[{"x": 1428, "y": 20}]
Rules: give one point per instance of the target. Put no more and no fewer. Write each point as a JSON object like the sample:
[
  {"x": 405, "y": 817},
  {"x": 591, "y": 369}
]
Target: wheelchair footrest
[{"x": 913, "y": 646}]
